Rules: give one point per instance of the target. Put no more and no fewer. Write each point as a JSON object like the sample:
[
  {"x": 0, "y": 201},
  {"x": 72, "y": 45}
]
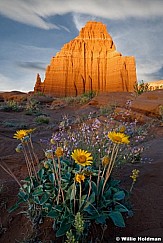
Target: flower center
[
  {"x": 82, "y": 159},
  {"x": 118, "y": 139}
]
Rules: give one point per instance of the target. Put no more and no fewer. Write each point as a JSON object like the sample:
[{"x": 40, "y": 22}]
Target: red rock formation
[
  {"x": 38, "y": 84},
  {"x": 89, "y": 62}
]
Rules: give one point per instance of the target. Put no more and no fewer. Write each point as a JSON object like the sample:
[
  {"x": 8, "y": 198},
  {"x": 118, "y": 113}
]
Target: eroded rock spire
[{"x": 89, "y": 62}]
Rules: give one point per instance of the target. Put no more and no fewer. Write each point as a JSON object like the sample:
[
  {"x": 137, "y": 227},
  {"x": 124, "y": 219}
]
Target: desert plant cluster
[{"x": 74, "y": 187}]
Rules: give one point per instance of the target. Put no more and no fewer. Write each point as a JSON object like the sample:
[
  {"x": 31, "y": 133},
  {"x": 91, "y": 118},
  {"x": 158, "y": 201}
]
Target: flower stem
[
  {"x": 111, "y": 164},
  {"x": 80, "y": 194}
]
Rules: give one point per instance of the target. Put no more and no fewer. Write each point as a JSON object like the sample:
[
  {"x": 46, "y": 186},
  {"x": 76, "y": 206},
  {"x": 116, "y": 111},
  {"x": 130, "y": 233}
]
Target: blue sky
[{"x": 32, "y": 31}]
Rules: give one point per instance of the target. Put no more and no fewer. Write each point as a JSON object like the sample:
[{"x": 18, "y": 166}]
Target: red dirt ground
[{"x": 147, "y": 196}]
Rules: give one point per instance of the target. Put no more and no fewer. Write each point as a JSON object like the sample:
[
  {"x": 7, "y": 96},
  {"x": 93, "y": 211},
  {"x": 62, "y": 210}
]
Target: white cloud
[
  {"x": 80, "y": 20},
  {"x": 35, "y": 12},
  {"x": 24, "y": 12}
]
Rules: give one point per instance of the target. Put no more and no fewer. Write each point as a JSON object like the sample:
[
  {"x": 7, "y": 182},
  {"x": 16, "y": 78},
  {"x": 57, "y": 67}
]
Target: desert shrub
[
  {"x": 70, "y": 100},
  {"x": 32, "y": 107},
  {"x": 16, "y": 125},
  {"x": 42, "y": 119},
  {"x": 141, "y": 88},
  {"x": 90, "y": 94},
  {"x": 107, "y": 109},
  {"x": 11, "y": 105},
  {"x": 80, "y": 99},
  {"x": 39, "y": 93}
]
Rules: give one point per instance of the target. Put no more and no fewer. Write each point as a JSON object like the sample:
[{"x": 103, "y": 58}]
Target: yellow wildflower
[
  {"x": 31, "y": 130},
  {"x": 122, "y": 129},
  {"x": 49, "y": 154},
  {"x": 118, "y": 137},
  {"x": 20, "y": 134},
  {"x": 105, "y": 161},
  {"x": 82, "y": 157},
  {"x": 135, "y": 174},
  {"x": 46, "y": 165},
  {"x": 59, "y": 152},
  {"x": 79, "y": 178},
  {"x": 52, "y": 141}
]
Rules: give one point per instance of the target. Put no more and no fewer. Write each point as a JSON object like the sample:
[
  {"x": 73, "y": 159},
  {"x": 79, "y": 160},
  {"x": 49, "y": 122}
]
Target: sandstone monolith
[{"x": 89, "y": 62}]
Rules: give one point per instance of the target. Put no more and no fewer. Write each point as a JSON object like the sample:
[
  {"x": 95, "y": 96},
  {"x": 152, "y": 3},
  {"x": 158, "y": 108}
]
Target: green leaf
[
  {"x": 36, "y": 200},
  {"x": 38, "y": 191},
  {"x": 27, "y": 179},
  {"x": 65, "y": 186},
  {"x": 100, "y": 185},
  {"x": 71, "y": 192},
  {"x": 13, "y": 208},
  {"x": 107, "y": 193},
  {"x": 114, "y": 183},
  {"x": 121, "y": 208},
  {"x": 83, "y": 198},
  {"x": 53, "y": 214},
  {"x": 41, "y": 173},
  {"x": 44, "y": 198},
  {"x": 52, "y": 177},
  {"x": 91, "y": 200},
  {"x": 59, "y": 208},
  {"x": 63, "y": 228},
  {"x": 89, "y": 209},
  {"x": 119, "y": 195},
  {"x": 23, "y": 195},
  {"x": 28, "y": 189},
  {"x": 66, "y": 176},
  {"x": 48, "y": 186},
  {"x": 47, "y": 206},
  {"x": 101, "y": 219},
  {"x": 108, "y": 202},
  {"x": 94, "y": 187},
  {"x": 20, "y": 201},
  {"x": 117, "y": 218}
]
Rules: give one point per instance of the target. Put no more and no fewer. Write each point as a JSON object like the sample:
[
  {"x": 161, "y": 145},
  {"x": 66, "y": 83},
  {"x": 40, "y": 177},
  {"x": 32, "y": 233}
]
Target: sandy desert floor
[{"x": 147, "y": 196}]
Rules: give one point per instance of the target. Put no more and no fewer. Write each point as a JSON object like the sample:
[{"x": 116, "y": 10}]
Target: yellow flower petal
[
  {"x": 105, "y": 161},
  {"x": 79, "y": 178},
  {"x": 20, "y": 134},
  {"x": 59, "y": 152},
  {"x": 118, "y": 137},
  {"x": 82, "y": 157}
]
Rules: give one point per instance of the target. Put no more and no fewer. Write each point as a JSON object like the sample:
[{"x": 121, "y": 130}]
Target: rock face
[
  {"x": 38, "y": 83},
  {"x": 149, "y": 103},
  {"x": 89, "y": 62}
]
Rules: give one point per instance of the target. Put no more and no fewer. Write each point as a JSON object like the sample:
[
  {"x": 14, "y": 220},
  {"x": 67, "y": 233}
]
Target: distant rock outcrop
[
  {"x": 89, "y": 62},
  {"x": 156, "y": 85}
]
